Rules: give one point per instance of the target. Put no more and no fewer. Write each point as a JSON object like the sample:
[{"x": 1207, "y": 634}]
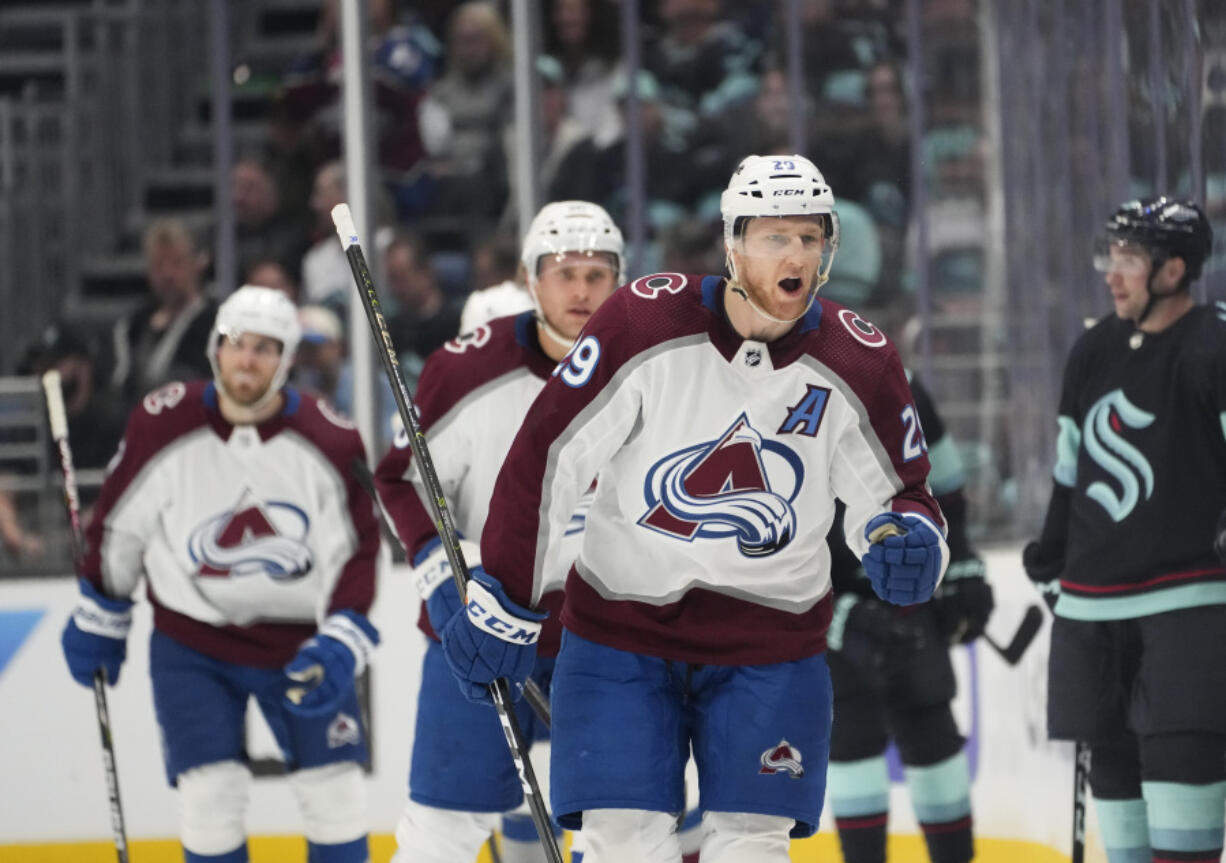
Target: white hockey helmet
[
  {"x": 571, "y": 226},
  {"x": 779, "y": 186},
  {"x": 265, "y": 312}
]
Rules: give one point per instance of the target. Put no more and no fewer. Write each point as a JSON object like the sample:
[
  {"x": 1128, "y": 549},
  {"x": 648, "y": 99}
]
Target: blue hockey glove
[
  {"x": 435, "y": 583},
  {"x": 96, "y": 635},
  {"x": 493, "y": 638},
  {"x": 963, "y": 602},
  {"x": 1219, "y": 544},
  {"x": 322, "y": 674},
  {"x": 904, "y": 562},
  {"x": 1044, "y": 573}
]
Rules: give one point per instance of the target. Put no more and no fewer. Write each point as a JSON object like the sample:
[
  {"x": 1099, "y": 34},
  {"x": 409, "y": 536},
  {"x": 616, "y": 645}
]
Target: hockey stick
[
  {"x": 499, "y": 690},
  {"x": 58, "y": 420},
  {"x": 1081, "y": 773},
  {"x": 536, "y": 699},
  {"x": 1032, "y": 622}
]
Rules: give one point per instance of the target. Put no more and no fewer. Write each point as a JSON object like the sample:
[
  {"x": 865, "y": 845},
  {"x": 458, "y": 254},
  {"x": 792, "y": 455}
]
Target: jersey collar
[
  {"x": 268, "y": 428},
  {"x": 728, "y": 341}
]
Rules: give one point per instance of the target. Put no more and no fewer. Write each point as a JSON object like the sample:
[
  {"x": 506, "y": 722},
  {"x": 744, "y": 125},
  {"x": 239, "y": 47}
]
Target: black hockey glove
[
  {"x": 1044, "y": 573},
  {"x": 963, "y": 601},
  {"x": 1219, "y": 544},
  {"x": 868, "y": 632}
]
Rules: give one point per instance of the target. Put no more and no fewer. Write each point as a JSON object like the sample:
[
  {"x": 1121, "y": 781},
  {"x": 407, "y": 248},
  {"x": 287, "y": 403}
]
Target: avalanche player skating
[
  {"x": 1138, "y": 649},
  {"x": 236, "y": 500},
  {"x": 720, "y": 419},
  {"x": 894, "y": 680},
  {"x": 472, "y": 394}
]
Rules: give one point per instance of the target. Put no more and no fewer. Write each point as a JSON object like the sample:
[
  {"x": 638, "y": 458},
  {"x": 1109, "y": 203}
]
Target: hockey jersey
[
  {"x": 718, "y": 460},
  {"x": 248, "y": 536},
  {"x": 470, "y": 399},
  {"x": 1141, "y": 456}
]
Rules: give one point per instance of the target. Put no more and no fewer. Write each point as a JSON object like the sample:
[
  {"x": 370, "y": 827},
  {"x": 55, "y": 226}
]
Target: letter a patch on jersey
[
  {"x": 805, "y": 417},
  {"x": 738, "y": 485}
]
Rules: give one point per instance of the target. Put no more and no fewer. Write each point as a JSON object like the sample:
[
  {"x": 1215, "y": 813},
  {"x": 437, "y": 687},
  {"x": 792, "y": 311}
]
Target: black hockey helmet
[{"x": 1166, "y": 228}]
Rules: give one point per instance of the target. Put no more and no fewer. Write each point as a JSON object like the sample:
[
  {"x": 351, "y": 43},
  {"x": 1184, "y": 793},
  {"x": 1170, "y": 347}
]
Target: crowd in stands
[{"x": 712, "y": 88}]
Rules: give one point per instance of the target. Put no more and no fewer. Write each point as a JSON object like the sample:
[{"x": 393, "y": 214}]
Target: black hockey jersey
[{"x": 1141, "y": 456}]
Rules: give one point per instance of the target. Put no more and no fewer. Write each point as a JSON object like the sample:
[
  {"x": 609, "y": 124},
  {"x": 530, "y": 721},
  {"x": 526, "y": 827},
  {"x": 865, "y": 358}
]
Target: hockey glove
[
  {"x": 322, "y": 674},
  {"x": 1219, "y": 544},
  {"x": 904, "y": 562},
  {"x": 493, "y": 638},
  {"x": 963, "y": 603},
  {"x": 435, "y": 583},
  {"x": 867, "y": 632},
  {"x": 1044, "y": 573},
  {"x": 96, "y": 636}
]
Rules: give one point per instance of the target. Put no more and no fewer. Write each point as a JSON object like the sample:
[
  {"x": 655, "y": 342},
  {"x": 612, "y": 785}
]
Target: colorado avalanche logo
[
  {"x": 723, "y": 488},
  {"x": 782, "y": 758},
  {"x": 254, "y": 537}
]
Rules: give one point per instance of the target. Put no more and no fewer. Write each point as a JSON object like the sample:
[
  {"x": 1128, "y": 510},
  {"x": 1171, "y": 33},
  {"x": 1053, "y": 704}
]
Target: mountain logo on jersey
[
  {"x": 782, "y": 758},
  {"x": 1103, "y": 440},
  {"x": 254, "y": 537},
  {"x": 739, "y": 484}
]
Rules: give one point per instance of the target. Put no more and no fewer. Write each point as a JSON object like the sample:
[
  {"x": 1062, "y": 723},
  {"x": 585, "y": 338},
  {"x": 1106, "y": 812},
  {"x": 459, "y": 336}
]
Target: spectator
[
  {"x": 496, "y": 264},
  {"x": 266, "y": 227},
  {"x": 426, "y": 317},
  {"x": 321, "y": 367},
  {"x": 703, "y": 64},
  {"x": 326, "y": 279},
  {"x": 465, "y": 111},
  {"x": 272, "y": 274},
  {"x": 571, "y": 166},
  {"x": 164, "y": 339},
  {"x": 583, "y": 36},
  {"x": 406, "y": 59},
  {"x": 95, "y": 422}
]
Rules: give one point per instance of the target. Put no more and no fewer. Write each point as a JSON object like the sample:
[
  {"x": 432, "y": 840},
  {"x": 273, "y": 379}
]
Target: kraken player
[
  {"x": 472, "y": 394},
  {"x": 894, "y": 680},
  {"x": 721, "y": 418},
  {"x": 237, "y": 502},
  {"x": 1138, "y": 661}
]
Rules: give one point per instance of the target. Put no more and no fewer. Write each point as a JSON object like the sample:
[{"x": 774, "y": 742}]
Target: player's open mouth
[{"x": 790, "y": 285}]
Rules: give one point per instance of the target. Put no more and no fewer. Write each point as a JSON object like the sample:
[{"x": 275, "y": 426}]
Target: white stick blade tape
[
  {"x": 345, "y": 229},
  {"x": 55, "y": 404}
]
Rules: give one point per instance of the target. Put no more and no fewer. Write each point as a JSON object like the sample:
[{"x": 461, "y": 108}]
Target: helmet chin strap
[
  {"x": 1154, "y": 296},
  {"x": 554, "y": 336},
  {"x": 735, "y": 285}
]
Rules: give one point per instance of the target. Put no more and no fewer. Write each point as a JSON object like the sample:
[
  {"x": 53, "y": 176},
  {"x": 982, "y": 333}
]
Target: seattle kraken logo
[
  {"x": 723, "y": 488},
  {"x": 253, "y": 537},
  {"x": 1103, "y": 442}
]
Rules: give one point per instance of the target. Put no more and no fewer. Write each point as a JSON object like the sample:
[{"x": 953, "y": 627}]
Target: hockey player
[
  {"x": 237, "y": 501},
  {"x": 471, "y": 396},
  {"x": 723, "y": 417},
  {"x": 1138, "y": 661},
  {"x": 893, "y": 679}
]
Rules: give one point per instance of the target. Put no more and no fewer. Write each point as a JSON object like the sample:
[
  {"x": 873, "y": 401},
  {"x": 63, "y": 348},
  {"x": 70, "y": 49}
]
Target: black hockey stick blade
[{"x": 1032, "y": 622}]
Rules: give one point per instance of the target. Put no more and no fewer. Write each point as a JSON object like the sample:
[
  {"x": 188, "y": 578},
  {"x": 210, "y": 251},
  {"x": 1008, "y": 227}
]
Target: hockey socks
[
  {"x": 1125, "y": 830},
  {"x": 1185, "y": 821},
  {"x": 941, "y": 797},
  {"x": 238, "y": 855},
  {"x": 344, "y": 852},
  {"x": 860, "y": 801}
]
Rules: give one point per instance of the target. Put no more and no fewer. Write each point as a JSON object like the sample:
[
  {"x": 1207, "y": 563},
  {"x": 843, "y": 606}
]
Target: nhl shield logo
[{"x": 782, "y": 758}]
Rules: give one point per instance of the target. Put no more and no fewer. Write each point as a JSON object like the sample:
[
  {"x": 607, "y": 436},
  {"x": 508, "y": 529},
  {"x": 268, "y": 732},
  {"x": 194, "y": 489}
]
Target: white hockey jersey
[
  {"x": 470, "y": 399},
  {"x": 248, "y": 536},
  {"x": 718, "y": 461}
]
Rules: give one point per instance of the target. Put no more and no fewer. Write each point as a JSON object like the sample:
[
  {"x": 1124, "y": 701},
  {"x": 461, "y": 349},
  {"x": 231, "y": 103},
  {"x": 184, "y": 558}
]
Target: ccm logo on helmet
[{"x": 788, "y": 192}]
